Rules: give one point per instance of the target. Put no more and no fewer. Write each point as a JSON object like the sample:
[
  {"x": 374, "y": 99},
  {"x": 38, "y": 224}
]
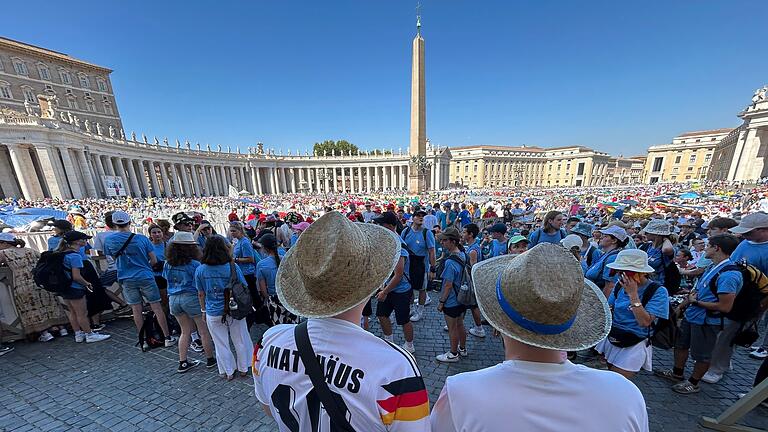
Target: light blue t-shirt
[
  {"x": 266, "y": 270},
  {"x": 498, "y": 248},
  {"x": 54, "y": 242},
  {"x": 159, "y": 250},
  {"x": 213, "y": 280},
  {"x": 181, "y": 279},
  {"x": 599, "y": 270},
  {"x": 755, "y": 254},
  {"x": 658, "y": 261},
  {"x": 475, "y": 247},
  {"x": 594, "y": 252},
  {"x": 539, "y": 236},
  {"x": 465, "y": 218},
  {"x": 404, "y": 285},
  {"x": 133, "y": 263},
  {"x": 728, "y": 282},
  {"x": 453, "y": 272},
  {"x": 201, "y": 240},
  {"x": 244, "y": 249},
  {"x": 415, "y": 241},
  {"x": 624, "y": 318},
  {"x": 440, "y": 218},
  {"x": 74, "y": 260}
]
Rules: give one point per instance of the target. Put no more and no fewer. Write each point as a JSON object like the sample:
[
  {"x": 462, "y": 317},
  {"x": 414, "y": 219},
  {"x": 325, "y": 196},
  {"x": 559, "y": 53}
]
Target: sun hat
[
  {"x": 76, "y": 211},
  {"x": 571, "y": 241},
  {"x": 750, "y": 222},
  {"x": 121, "y": 218},
  {"x": 583, "y": 228},
  {"x": 301, "y": 226},
  {"x": 635, "y": 260},
  {"x": 556, "y": 310},
  {"x": 7, "y": 237},
  {"x": 658, "y": 227},
  {"x": 183, "y": 237},
  {"x": 450, "y": 233},
  {"x": 336, "y": 265},
  {"x": 498, "y": 228},
  {"x": 181, "y": 217},
  {"x": 517, "y": 239},
  {"x": 73, "y": 235},
  {"x": 615, "y": 231}
]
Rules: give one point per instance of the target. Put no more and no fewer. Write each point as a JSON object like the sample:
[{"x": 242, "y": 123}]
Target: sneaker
[
  {"x": 45, "y": 336},
  {"x": 463, "y": 351},
  {"x": 753, "y": 348},
  {"x": 79, "y": 336},
  {"x": 685, "y": 387},
  {"x": 668, "y": 374},
  {"x": 187, "y": 365},
  {"x": 170, "y": 341},
  {"x": 389, "y": 338},
  {"x": 711, "y": 377},
  {"x": 96, "y": 337},
  {"x": 445, "y": 327},
  {"x": 145, "y": 347},
  {"x": 428, "y": 301},
  {"x": 211, "y": 362},
  {"x": 759, "y": 353},
  {"x": 477, "y": 331},
  {"x": 123, "y": 312},
  {"x": 409, "y": 347},
  {"x": 448, "y": 357},
  {"x": 63, "y": 332},
  {"x": 416, "y": 316},
  {"x": 5, "y": 349},
  {"x": 98, "y": 327},
  {"x": 197, "y": 346}
]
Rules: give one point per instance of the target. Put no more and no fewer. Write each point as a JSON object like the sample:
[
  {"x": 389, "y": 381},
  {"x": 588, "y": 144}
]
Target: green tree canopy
[{"x": 331, "y": 146}]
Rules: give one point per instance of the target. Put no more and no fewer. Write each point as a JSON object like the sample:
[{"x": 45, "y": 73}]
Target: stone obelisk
[{"x": 418, "y": 144}]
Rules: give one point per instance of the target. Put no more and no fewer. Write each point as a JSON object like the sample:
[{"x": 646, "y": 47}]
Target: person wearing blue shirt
[
  {"x": 465, "y": 218},
  {"x": 612, "y": 241},
  {"x": 551, "y": 231},
  {"x": 157, "y": 237},
  {"x": 474, "y": 254},
  {"x": 661, "y": 252},
  {"x": 396, "y": 294},
  {"x": 440, "y": 215},
  {"x": 212, "y": 280},
  {"x": 452, "y": 276},
  {"x": 499, "y": 243},
  {"x": 134, "y": 257},
  {"x": 421, "y": 243},
  {"x": 179, "y": 271},
  {"x": 246, "y": 258},
  {"x": 266, "y": 274},
  {"x": 703, "y": 314},
  {"x": 635, "y": 309},
  {"x": 204, "y": 232},
  {"x": 60, "y": 227}
]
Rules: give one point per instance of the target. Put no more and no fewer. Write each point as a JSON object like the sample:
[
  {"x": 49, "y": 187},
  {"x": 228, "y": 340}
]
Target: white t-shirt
[
  {"x": 539, "y": 397},
  {"x": 379, "y": 382}
]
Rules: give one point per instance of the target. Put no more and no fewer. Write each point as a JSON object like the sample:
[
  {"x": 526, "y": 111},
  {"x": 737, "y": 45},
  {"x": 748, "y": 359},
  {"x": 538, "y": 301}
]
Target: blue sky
[{"x": 612, "y": 75}]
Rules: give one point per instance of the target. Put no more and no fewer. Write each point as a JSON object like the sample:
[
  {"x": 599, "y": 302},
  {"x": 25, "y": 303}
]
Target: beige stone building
[
  {"x": 503, "y": 166},
  {"x": 686, "y": 159}
]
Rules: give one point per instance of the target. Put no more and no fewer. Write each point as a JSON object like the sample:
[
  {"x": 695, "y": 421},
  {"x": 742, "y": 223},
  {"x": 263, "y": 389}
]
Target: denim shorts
[
  {"x": 135, "y": 289},
  {"x": 184, "y": 303}
]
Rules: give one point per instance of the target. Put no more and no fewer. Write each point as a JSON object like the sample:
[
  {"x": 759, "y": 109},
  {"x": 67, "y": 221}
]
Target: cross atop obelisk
[{"x": 418, "y": 142}]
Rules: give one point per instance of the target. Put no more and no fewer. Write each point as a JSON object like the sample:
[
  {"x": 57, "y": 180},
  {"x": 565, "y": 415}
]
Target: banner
[
  {"x": 232, "y": 192},
  {"x": 113, "y": 185}
]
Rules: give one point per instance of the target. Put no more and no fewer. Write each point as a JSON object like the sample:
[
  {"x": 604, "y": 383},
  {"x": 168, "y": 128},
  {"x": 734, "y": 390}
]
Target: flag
[
  {"x": 409, "y": 401},
  {"x": 232, "y": 192}
]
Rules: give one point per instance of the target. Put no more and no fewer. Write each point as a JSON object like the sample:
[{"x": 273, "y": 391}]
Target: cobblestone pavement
[{"x": 112, "y": 385}]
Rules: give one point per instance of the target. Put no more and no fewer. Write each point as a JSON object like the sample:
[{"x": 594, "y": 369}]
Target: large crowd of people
[{"x": 313, "y": 268}]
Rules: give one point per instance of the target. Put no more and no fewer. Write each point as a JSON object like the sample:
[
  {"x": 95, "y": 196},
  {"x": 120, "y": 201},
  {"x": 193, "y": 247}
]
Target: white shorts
[{"x": 630, "y": 359}]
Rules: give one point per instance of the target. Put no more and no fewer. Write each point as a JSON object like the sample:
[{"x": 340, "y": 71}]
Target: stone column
[
  {"x": 254, "y": 181},
  {"x": 109, "y": 167},
  {"x": 174, "y": 177},
  {"x": 205, "y": 183},
  {"x": 196, "y": 180},
  {"x": 134, "y": 178},
  {"x": 69, "y": 171},
  {"x": 53, "y": 178},
  {"x": 281, "y": 177},
  {"x": 317, "y": 179},
  {"x": 210, "y": 177},
  {"x": 150, "y": 166},
  {"x": 120, "y": 172},
  {"x": 100, "y": 172},
  {"x": 90, "y": 186},
  {"x": 185, "y": 182},
  {"x": 25, "y": 172},
  {"x": 292, "y": 173},
  {"x": 259, "y": 181},
  {"x": 164, "y": 178},
  {"x": 327, "y": 180},
  {"x": 243, "y": 183},
  {"x": 141, "y": 177},
  {"x": 439, "y": 179},
  {"x": 343, "y": 179}
]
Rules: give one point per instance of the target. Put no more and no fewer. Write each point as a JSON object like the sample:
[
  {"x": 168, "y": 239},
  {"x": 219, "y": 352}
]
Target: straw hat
[
  {"x": 634, "y": 260},
  {"x": 335, "y": 265},
  {"x": 522, "y": 297},
  {"x": 658, "y": 227}
]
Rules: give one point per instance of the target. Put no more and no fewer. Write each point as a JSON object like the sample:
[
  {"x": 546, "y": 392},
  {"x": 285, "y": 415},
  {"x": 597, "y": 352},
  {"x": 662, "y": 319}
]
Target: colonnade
[{"x": 340, "y": 178}]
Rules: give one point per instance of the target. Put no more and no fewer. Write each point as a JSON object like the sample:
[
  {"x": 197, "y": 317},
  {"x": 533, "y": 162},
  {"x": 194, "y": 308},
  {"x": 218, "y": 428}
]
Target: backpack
[
  {"x": 151, "y": 334},
  {"x": 416, "y": 267},
  {"x": 672, "y": 276},
  {"x": 465, "y": 293},
  {"x": 241, "y": 296},
  {"x": 50, "y": 273},
  {"x": 662, "y": 333},
  {"x": 590, "y": 255},
  {"x": 746, "y": 306},
  {"x": 601, "y": 282},
  {"x": 537, "y": 234}
]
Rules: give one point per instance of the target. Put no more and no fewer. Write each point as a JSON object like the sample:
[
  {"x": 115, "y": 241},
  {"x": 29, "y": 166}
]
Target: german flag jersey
[{"x": 379, "y": 382}]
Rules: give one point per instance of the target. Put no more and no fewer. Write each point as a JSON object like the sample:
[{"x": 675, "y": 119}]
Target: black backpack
[
  {"x": 746, "y": 306},
  {"x": 663, "y": 333},
  {"x": 241, "y": 294},
  {"x": 672, "y": 276},
  {"x": 150, "y": 333},
  {"x": 416, "y": 266},
  {"x": 50, "y": 273}
]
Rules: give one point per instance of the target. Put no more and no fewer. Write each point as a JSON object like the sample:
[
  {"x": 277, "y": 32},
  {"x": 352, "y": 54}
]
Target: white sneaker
[
  {"x": 463, "y": 351},
  {"x": 428, "y": 301},
  {"x": 448, "y": 357},
  {"x": 445, "y": 327},
  {"x": 711, "y": 377},
  {"x": 477, "y": 331},
  {"x": 63, "y": 332},
  {"x": 96, "y": 337},
  {"x": 416, "y": 316},
  {"x": 755, "y": 347},
  {"x": 170, "y": 341},
  {"x": 45, "y": 337},
  {"x": 759, "y": 354},
  {"x": 388, "y": 338},
  {"x": 79, "y": 336},
  {"x": 409, "y": 347}
]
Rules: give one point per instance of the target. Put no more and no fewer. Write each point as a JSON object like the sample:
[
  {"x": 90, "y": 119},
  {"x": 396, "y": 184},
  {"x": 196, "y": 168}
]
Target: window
[
  {"x": 687, "y": 177},
  {"x": 29, "y": 95},
  {"x": 43, "y": 71},
  {"x": 65, "y": 77},
  {"x": 20, "y": 67},
  {"x": 89, "y": 105},
  {"x": 677, "y": 159},
  {"x": 69, "y": 92},
  {"x": 682, "y": 142},
  {"x": 690, "y": 168},
  {"x": 692, "y": 159},
  {"x": 108, "y": 109},
  {"x": 84, "y": 81},
  {"x": 5, "y": 90},
  {"x": 88, "y": 95},
  {"x": 101, "y": 84},
  {"x": 657, "y": 164},
  {"x": 72, "y": 102},
  {"x": 707, "y": 157}
]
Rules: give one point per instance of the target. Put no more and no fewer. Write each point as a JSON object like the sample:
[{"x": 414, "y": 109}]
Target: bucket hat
[
  {"x": 658, "y": 227},
  {"x": 183, "y": 237},
  {"x": 583, "y": 228},
  {"x": 750, "y": 222},
  {"x": 522, "y": 298},
  {"x": 634, "y": 260},
  {"x": 450, "y": 233},
  {"x": 336, "y": 265}
]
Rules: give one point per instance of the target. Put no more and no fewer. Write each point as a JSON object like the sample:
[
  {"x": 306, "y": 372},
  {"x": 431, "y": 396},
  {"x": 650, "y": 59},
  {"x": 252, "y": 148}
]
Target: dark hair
[
  {"x": 472, "y": 229},
  {"x": 726, "y": 242},
  {"x": 573, "y": 219},
  {"x": 180, "y": 254},
  {"x": 153, "y": 226},
  {"x": 269, "y": 243},
  {"x": 216, "y": 251},
  {"x": 687, "y": 253},
  {"x": 108, "y": 219},
  {"x": 549, "y": 217},
  {"x": 620, "y": 243},
  {"x": 722, "y": 223}
]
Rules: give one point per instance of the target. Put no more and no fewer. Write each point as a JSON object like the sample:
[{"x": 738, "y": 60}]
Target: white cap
[
  {"x": 571, "y": 241},
  {"x": 121, "y": 218}
]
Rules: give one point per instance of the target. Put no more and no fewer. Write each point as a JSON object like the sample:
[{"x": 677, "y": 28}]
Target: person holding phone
[{"x": 637, "y": 302}]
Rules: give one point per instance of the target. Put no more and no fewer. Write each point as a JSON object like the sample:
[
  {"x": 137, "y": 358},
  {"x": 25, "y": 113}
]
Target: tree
[{"x": 331, "y": 146}]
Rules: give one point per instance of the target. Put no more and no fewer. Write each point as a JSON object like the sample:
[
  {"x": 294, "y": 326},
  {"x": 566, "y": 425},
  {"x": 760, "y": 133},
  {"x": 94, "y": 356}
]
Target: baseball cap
[
  {"x": 73, "y": 235},
  {"x": 517, "y": 239},
  {"x": 615, "y": 231},
  {"x": 571, "y": 241},
  {"x": 498, "y": 228},
  {"x": 386, "y": 218},
  {"x": 750, "y": 222},
  {"x": 121, "y": 218},
  {"x": 421, "y": 213}
]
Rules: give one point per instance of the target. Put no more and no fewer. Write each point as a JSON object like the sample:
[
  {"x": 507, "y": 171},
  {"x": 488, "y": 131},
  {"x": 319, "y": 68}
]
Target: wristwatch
[{"x": 634, "y": 305}]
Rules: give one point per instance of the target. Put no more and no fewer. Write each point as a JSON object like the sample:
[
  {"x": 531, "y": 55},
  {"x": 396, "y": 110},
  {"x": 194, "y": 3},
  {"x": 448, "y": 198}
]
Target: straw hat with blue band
[{"x": 541, "y": 298}]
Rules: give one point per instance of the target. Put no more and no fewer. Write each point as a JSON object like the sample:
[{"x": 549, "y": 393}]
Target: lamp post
[{"x": 422, "y": 165}]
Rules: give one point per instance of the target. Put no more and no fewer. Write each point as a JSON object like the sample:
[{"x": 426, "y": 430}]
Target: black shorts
[
  {"x": 368, "y": 309},
  {"x": 400, "y": 303},
  {"x": 454, "y": 311},
  {"x": 72, "y": 294}
]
